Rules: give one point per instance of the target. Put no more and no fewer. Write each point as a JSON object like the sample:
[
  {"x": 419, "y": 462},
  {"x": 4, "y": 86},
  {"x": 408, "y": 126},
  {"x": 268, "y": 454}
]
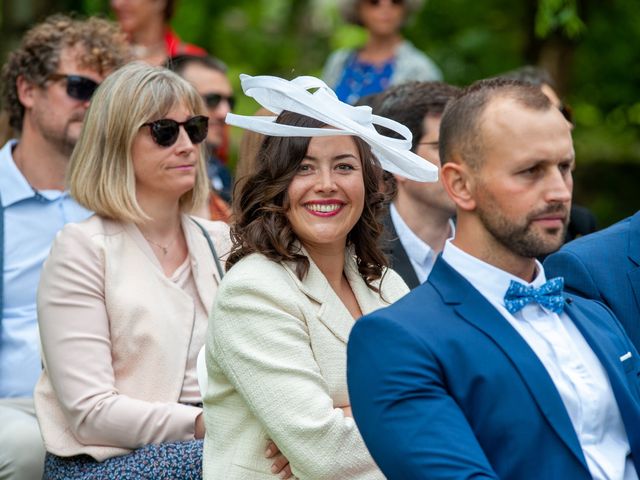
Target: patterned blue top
[{"x": 360, "y": 79}]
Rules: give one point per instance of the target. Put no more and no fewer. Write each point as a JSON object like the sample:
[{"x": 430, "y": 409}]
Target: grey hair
[{"x": 349, "y": 9}]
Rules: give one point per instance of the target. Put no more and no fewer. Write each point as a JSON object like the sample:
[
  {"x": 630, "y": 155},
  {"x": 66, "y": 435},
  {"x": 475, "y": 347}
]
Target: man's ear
[
  {"x": 26, "y": 91},
  {"x": 458, "y": 182}
]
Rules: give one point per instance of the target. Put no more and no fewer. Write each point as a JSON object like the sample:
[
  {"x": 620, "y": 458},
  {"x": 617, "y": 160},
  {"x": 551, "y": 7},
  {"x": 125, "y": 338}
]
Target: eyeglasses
[
  {"x": 78, "y": 87},
  {"x": 165, "y": 131},
  {"x": 375, "y": 3},
  {"x": 212, "y": 100}
]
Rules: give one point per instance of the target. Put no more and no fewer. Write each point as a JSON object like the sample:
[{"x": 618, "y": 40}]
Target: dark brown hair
[
  {"x": 104, "y": 48},
  {"x": 461, "y": 125},
  {"x": 409, "y": 103},
  {"x": 260, "y": 204}
]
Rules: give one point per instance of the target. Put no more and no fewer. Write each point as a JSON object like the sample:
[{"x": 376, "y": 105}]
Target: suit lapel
[
  {"x": 331, "y": 311},
  {"x": 475, "y": 309},
  {"x": 368, "y": 300},
  {"x": 634, "y": 257},
  {"x": 608, "y": 354},
  {"x": 398, "y": 256}
]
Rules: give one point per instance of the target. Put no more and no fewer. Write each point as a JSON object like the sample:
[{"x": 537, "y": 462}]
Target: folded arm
[{"x": 260, "y": 341}]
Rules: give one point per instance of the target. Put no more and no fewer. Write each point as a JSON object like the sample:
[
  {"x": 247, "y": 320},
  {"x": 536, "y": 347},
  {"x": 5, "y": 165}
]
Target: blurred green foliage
[{"x": 589, "y": 46}]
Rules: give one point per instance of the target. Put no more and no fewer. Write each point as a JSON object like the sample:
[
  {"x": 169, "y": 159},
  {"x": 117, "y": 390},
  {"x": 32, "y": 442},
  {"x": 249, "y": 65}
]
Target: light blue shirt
[
  {"x": 421, "y": 255},
  {"x": 31, "y": 221},
  {"x": 575, "y": 370}
]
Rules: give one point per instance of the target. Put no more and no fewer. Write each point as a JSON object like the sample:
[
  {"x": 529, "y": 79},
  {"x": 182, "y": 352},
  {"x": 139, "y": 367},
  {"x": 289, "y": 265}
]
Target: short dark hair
[
  {"x": 461, "y": 125},
  {"x": 179, "y": 63},
  {"x": 38, "y": 56},
  {"x": 260, "y": 204},
  {"x": 409, "y": 103}
]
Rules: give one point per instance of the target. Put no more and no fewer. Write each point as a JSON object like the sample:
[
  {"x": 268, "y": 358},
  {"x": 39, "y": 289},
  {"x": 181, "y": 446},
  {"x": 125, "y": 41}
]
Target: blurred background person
[
  {"x": 582, "y": 221},
  {"x": 209, "y": 77},
  {"x": 147, "y": 25},
  {"x": 304, "y": 266},
  {"x": 386, "y": 58},
  {"x": 47, "y": 83},
  {"x": 125, "y": 295},
  {"x": 421, "y": 214}
]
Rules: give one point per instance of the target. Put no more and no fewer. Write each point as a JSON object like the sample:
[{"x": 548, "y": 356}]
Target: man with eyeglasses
[
  {"x": 420, "y": 215},
  {"x": 47, "y": 84},
  {"x": 209, "y": 77}
]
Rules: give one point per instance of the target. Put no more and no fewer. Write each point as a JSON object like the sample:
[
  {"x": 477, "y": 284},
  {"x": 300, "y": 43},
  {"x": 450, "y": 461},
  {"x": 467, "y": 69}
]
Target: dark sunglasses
[
  {"x": 165, "y": 131},
  {"x": 375, "y": 3},
  {"x": 212, "y": 100},
  {"x": 78, "y": 87},
  {"x": 566, "y": 112}
]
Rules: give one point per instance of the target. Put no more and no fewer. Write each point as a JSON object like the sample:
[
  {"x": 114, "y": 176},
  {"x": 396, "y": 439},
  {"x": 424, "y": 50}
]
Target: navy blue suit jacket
[
  {"x": 443, "y": 387},
  {"x": 605, "y": 266}
]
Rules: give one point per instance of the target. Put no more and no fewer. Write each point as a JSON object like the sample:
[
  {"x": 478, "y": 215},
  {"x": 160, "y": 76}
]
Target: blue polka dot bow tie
[{"x": 549, "y": 295}]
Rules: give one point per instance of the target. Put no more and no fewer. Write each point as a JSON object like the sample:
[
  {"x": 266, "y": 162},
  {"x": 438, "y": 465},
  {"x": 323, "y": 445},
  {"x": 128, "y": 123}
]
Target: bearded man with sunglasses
[{"x": 47, "y": 84}]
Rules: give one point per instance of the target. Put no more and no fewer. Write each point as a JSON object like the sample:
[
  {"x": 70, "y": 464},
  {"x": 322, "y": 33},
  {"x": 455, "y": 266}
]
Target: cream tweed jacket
[{"x": 276, "y": 360}]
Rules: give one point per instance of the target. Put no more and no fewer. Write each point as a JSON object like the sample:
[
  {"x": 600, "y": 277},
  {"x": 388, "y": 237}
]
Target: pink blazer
[{"x": 115, "y": 334}]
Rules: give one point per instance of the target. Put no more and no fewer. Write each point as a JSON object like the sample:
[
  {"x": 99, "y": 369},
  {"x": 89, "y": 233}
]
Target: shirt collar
[
  {"x": 490, "y": 281},
  {"x": 13, "y": 185},
  {"x": 417, "y": 250}
]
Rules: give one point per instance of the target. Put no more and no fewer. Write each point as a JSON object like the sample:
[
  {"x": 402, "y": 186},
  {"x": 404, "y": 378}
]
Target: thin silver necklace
[{"x": 165, "y": 249}]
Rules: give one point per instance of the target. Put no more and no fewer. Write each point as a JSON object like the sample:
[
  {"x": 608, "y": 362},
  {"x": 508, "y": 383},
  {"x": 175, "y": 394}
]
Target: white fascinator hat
[{"x": 312, "y": 97}]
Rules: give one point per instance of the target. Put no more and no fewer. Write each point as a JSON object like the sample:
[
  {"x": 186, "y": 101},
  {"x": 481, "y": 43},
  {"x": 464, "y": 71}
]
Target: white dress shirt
[
  {"x": 421, "y": 255},
  {"x": 574, "y": 369}
]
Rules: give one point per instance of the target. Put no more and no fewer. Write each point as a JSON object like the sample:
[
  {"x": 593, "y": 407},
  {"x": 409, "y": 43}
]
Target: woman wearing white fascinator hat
[{"x": 304, "y": 266}]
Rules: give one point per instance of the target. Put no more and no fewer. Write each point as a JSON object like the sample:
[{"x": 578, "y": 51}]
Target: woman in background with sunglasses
[
  {"x": 125, "y": 295},
  {"x": 385, "y": 59}
]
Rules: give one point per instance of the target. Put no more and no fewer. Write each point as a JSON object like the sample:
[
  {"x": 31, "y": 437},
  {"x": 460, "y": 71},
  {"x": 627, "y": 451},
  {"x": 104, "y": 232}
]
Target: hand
[
  {"x": 280, "y": 463},
  {"x": 347, "y": 411},
  {"x": 200, "y": 428}
]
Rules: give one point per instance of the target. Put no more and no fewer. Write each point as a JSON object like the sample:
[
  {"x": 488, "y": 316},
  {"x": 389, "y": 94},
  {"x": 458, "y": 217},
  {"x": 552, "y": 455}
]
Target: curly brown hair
[
  {"x": 104, "y": 49},
  {"x": 260, "y": 205}
]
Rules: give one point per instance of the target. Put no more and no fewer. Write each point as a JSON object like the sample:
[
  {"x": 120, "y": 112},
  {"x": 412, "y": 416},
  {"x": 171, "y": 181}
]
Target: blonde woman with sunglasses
[{"x": 125, "y": 295}]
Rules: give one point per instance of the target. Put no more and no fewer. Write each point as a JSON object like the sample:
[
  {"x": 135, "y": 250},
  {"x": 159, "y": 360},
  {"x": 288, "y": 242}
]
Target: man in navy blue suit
[
  {"x": 488, "y": 370},
  {"x": 605, "y": 266}
]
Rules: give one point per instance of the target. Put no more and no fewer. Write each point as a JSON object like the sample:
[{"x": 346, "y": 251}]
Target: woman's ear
[{"x": 458, "y": 182}]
